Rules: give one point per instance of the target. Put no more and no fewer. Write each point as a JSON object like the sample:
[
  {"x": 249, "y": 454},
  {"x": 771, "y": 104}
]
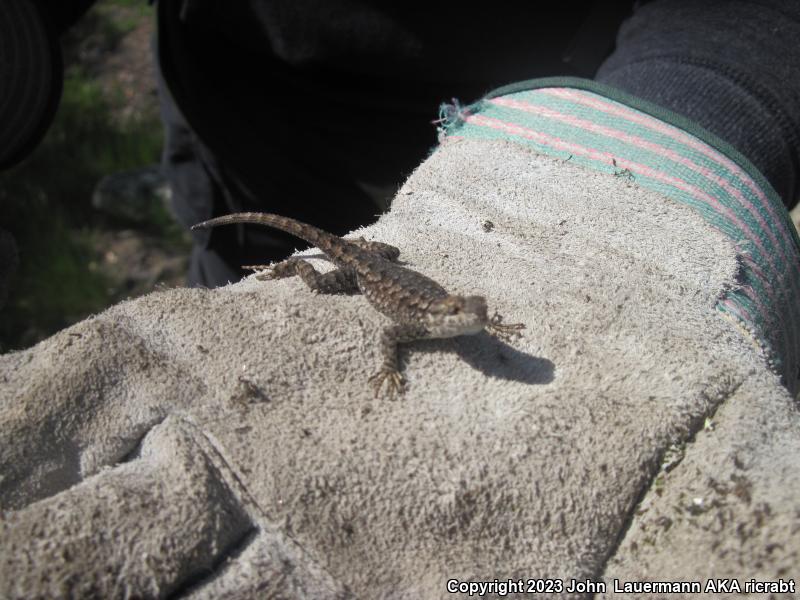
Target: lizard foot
[
  {"x": 503, "y": 331},
  {"x": 395, "y": 383},
  {"x": 266, "y": 271}
]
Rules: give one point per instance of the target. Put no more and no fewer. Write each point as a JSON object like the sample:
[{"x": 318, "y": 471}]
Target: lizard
[{"x": 418, "y": 306}]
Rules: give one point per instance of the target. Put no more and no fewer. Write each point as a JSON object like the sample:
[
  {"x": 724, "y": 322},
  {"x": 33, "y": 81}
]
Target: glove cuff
[{"x": 601, "y": 128}]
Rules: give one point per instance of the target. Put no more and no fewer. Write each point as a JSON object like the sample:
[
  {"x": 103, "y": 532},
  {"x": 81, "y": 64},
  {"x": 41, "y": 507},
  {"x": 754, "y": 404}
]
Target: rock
[{"x": 132, "y": 195}]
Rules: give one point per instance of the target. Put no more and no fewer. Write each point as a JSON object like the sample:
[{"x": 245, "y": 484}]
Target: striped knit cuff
[{"x": 606, "y": 130}]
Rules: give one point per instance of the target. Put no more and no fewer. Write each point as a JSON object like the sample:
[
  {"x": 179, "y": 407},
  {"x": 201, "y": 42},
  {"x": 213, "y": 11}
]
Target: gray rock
[{"x": 132, "y": 195}]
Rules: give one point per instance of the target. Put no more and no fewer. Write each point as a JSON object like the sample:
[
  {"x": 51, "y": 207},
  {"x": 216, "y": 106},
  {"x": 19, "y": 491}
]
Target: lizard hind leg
[
  {"x": 338, "y": 281},
  {"x": 264, "y": 271}
]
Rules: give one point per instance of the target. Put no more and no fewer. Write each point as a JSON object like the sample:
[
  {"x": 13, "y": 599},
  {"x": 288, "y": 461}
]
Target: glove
[{"x": 213, "y": 443}]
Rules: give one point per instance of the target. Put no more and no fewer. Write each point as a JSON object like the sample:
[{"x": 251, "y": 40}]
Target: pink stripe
[
  {"x": 753, "y": 266},
  {"x": 647, "y": 145},
  {"x": 737, "y": 310},
  {"x": 619, "y": 110},
  {"x": 558, "y": 143}
]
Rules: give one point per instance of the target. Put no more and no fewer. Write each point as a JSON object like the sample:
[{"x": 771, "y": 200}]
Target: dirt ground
[
  {"x": 134, "y": 259},
  {"x": 113, "y": 44}
]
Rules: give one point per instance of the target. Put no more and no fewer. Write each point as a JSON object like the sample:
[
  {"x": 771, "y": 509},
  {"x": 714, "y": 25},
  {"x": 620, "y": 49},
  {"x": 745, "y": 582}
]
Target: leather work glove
[{"x": 226, "y": 443}]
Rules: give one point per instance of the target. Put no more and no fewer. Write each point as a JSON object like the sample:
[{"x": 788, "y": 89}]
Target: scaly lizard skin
[{"x": 419, "y": 307}]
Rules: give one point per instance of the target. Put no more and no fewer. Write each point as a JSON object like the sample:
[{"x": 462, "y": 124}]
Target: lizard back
[{"x": 400, "y": 293}]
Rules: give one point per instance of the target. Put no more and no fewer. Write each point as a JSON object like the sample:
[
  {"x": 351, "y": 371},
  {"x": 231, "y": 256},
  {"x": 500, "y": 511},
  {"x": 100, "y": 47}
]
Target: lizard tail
[{"x": 317, "y": 237}]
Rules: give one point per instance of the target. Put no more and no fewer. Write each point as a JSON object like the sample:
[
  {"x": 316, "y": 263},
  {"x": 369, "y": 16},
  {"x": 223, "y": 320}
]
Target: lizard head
[{"x": 456, "y": 315}]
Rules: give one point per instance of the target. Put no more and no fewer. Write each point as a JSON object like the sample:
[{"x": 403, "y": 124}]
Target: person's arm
[
  {"x": 65, "y": 13},
  {"x": 732, "y": 67}
]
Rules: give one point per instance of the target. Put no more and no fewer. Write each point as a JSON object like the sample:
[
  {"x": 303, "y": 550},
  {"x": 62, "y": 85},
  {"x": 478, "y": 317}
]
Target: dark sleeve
[
  {"x": 732, "y": 66},
  {"x": 64, "y": 13}
]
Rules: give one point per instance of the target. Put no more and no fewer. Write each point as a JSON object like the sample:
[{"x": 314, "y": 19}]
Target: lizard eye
[
  {"x": 452, "y": 305},
  {"x": 446, "y": 307}
]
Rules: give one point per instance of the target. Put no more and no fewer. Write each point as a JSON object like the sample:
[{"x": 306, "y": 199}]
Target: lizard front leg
[
  {"x": 389, "y": 372},
  {"x": 337, "y": 281},
  {"x": 503, "y": 331}
]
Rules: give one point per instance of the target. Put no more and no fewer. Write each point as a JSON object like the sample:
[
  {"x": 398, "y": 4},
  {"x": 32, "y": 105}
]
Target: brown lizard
[{"x": 419, "y": 307}]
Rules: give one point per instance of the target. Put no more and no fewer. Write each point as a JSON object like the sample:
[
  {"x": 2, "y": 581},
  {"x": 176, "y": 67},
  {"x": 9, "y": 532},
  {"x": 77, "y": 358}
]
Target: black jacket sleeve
[
  {"x": 732, "y": 66},
  {"x": 64, "y": 13}
]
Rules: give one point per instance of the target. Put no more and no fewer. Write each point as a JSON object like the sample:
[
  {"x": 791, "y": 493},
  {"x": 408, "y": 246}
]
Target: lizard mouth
[
  {"x": 458, "y": 316},
  {"x": 453, "y": 325}
]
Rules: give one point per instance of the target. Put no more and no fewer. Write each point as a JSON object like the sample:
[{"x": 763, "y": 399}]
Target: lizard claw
[
  {"x": 395, "y": 383},
  {"x": 503, "y": 331}
]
